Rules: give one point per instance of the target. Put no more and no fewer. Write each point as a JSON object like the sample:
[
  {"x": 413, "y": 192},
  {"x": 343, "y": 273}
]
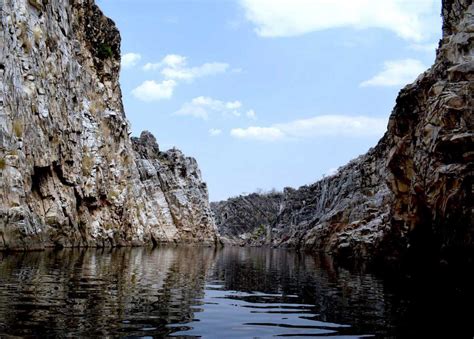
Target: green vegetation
[
  {"x": 259, "y": 232},
  {"x": 3, "y": 164},
  {"x": 105, "y": 51}
]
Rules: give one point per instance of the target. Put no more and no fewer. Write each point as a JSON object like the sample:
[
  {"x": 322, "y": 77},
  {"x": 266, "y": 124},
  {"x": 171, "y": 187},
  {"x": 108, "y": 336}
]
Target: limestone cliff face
[
  {"x": 70, "y": 175},
  {"x": 413, "y": 192},
  {"x": 174, "y": 187}
]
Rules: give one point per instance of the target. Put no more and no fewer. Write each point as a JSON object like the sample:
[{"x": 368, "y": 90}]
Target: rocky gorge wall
[
  {"x": 410, "y": 194},
  {"x": 431, "y": 139},
  {"x": 347, "y": 211},
  {"x": 70, "y": 173}
]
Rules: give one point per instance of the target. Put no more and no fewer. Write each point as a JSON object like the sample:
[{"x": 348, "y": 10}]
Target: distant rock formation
[
  {"x": 69, "y": 172},
  {"x": 345, "y": 211},
  {"x": 174, "y": 188},
  {"x": 247, "y": 218},
  {"x": 412, "y": 194}
]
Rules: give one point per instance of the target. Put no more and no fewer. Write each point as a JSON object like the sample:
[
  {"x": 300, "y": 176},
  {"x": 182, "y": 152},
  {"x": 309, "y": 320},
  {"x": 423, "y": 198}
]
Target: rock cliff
[
  {"x": 70, "y": 174},
  {"x": 431, "y": 140},
  {"x": 246, "y": 218},
  {"x": 347, "y": 211},
  {"x": 410, "y": 194}
]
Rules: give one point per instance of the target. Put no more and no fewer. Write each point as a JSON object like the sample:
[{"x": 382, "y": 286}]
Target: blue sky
[{"x": 269, "y": 93}]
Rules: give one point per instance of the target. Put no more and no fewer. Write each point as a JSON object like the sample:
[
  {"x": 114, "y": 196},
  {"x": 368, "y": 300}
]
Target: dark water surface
[{"x": 215, "y": 293}]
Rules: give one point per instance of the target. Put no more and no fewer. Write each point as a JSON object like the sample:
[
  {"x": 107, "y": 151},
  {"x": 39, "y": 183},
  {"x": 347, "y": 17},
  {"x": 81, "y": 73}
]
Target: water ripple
[{"x": 202, "y": 292}]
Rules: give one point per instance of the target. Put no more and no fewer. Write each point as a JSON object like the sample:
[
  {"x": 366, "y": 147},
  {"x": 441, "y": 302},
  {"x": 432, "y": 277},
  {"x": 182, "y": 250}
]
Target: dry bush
[
  {"x": 36, "y": 4},
  {"x": 25, "y": 40},
  {"x": 87, "y": 164},
  {"x": 18, "y": 128},
  {"x": 37, "y": 34}
]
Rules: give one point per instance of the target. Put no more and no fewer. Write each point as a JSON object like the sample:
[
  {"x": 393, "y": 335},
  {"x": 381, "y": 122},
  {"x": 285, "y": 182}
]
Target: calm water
[{"x": 219, "y": 293}]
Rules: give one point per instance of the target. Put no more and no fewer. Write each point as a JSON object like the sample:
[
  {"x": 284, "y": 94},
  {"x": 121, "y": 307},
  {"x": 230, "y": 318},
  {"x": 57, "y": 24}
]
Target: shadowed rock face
[
  {"x": 413, "y": 192},
  {"x": 431, "y": 140},
  {"x": 70, "y": 175}
]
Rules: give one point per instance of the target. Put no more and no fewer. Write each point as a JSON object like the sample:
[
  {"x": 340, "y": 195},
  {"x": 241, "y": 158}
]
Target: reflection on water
[{"x": 221, "y": 293}]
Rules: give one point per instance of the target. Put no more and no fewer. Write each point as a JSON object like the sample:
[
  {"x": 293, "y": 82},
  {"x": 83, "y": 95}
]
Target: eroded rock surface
[
  {"x": 413, "y": 192},
  {"x": 431, "y": 140},
  {"x": 343, "y": 212},
  {"x": 69, "y": 173},
  {"x": 173, "y": 185}
]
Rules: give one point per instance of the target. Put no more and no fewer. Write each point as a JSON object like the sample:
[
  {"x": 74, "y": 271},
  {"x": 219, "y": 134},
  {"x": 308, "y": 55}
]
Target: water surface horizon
[{"x": 207, "y": 292}]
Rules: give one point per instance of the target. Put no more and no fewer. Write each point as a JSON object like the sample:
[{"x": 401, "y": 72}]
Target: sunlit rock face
[
  {"x": 173, "y": 183},
  {"x": 410, "y": 194},
  {"x": 69, "y": 173},
  {"x": 345, "y": 213}
]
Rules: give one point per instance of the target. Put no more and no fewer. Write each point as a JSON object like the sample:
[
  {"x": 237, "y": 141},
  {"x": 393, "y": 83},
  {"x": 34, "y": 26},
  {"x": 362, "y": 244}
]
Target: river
[{"x": 215, "y": 293}]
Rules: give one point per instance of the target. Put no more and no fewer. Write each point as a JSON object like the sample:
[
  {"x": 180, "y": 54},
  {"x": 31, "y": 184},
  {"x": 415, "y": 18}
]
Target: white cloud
[
  {"x": 170, "y": 60},
  {"x": 130, "y": 59},
  {"x": 331, "y": 171},
  {"x": 214, "y": 132},
  {"x": 174, "y": 69},
  {"x": 334, "y": 125},
  {"x": 319, "y": 126},
  {"x": 198, "y": 108},
  {"x": 396, "y": 73},
  {"x": 174, "y": 60},
  {"x": 258, "y": 133},
  {"x": 174, "y": 66},
  {"x": 251, "y": 114},
  {"x": 189, "y": 74},
  {"x": 411, "y": 20},
  {"x": 153, "y": 91},
  {"x": 149, "y": 66},
  {"x": 430, "y": 47},
  {"x": 201, "y": 107},
  {"x": 233, "y": 105}
]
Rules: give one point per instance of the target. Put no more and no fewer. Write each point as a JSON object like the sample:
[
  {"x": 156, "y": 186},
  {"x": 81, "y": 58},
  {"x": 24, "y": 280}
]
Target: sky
[{"x": 267, "y": 94}]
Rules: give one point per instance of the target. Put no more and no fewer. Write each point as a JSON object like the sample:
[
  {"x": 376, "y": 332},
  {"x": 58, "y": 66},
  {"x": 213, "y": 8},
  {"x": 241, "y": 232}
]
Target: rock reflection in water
[
  {"x": 192, "y": 291},
  {"x": 95, "y": 292}
]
